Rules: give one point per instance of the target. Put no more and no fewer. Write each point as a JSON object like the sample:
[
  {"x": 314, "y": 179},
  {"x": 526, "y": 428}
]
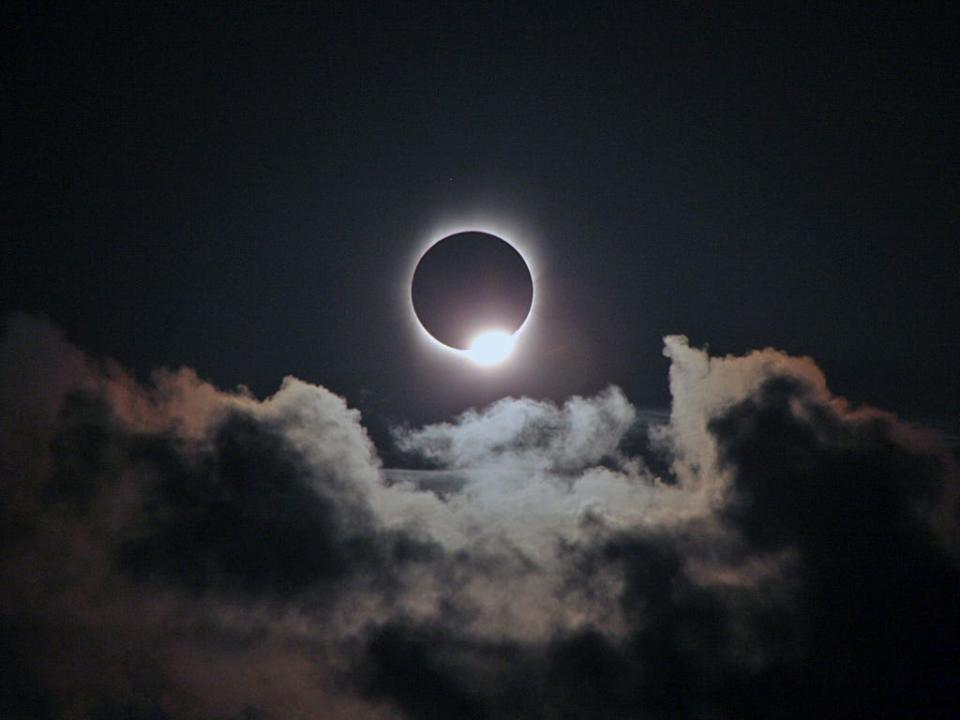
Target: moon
[{"x": 471, "y": 292}]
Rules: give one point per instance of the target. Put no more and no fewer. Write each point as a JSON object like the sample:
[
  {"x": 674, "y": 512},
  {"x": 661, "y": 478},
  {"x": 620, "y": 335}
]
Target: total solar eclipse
[{"x": 472, "y": 291}]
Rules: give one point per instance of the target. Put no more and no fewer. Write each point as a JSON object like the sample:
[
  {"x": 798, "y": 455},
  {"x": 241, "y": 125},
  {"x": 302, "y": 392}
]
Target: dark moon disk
[{"x": 469, "y": 283}]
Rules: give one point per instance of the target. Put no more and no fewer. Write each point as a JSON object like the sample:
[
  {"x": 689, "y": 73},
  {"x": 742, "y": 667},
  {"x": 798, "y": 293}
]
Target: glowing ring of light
[{"x": 438, "y": 234}]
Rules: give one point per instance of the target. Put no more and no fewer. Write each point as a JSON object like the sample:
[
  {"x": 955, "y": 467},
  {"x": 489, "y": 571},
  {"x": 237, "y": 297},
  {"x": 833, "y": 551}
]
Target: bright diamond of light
[{"x": 491, "y": 347}]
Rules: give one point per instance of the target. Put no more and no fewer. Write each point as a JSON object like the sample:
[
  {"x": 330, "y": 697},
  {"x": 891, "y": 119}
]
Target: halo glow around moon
[{"x": 472, "y": 292}]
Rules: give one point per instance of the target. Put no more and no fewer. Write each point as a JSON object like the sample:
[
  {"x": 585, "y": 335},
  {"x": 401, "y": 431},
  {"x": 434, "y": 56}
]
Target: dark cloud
[
  {"x": 427, "y": 673},
  {"x": 242, "y": 514},
  {"x": 176, "y": 551},
  {"x": 823, "y": 572},
  {"x": 877, "y": 584}
]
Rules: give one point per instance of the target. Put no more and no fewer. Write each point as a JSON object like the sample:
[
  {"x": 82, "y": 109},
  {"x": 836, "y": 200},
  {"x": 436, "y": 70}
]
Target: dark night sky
[
  {"x": 618, "y": 522},
  {"x": 240, "y": 191}
]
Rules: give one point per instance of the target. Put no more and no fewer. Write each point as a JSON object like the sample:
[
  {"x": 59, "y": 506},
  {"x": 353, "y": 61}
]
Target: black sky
[
  {"x": 625, "y": 524},
  {"x": 239, "y": 188}
]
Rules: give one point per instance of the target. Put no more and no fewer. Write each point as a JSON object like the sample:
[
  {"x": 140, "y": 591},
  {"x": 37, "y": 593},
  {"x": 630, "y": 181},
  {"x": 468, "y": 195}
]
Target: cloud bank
[{"x": 172, "y": 550}]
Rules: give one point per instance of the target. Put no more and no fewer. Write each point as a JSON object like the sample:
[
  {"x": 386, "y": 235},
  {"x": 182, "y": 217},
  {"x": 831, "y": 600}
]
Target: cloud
[
  {"x": 529, "y": 434},
  {"x": 172, "y": 550}
]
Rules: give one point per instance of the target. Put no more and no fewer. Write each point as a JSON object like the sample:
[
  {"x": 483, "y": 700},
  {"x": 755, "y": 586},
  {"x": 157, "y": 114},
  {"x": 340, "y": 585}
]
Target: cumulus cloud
[
  {"x": 173, "y": 550},
  {"x": 528, "y": 434}
]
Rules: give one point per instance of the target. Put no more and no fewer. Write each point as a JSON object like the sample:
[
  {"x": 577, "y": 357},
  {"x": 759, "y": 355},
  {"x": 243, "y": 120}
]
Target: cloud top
[{"x": 172, "y": 550}]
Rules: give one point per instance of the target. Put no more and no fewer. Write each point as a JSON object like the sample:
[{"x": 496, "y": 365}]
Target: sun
[
  {"x": 472, "y": 294},
  {"x": 491, "y": 347}
]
